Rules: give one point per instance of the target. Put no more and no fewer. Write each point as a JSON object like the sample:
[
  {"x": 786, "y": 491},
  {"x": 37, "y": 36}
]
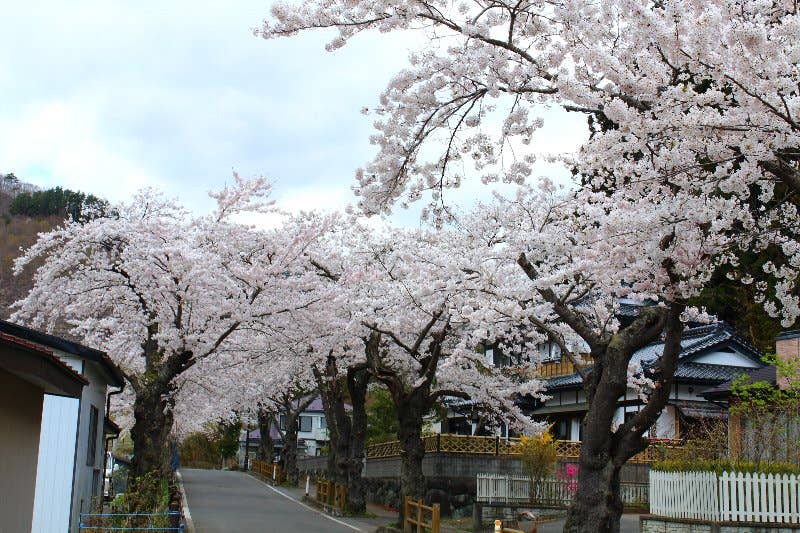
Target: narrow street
[{"x": 234, "y": 502}]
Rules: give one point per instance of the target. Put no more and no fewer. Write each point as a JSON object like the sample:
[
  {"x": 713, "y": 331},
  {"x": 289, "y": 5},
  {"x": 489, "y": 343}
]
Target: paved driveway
[{"x": 233, "y": 502}]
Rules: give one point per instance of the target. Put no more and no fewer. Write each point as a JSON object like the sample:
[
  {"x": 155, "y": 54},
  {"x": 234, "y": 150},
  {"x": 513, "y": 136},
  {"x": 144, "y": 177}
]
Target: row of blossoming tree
[{"x": 691, "y": 163}]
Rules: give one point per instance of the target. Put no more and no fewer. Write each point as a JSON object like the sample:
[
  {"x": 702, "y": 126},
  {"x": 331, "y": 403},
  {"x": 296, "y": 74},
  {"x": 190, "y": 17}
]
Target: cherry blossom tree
[
  {"x": 410, "y": 295},
  {"x": 692, "y": 160},
  {"x": 161, "y": 291}
]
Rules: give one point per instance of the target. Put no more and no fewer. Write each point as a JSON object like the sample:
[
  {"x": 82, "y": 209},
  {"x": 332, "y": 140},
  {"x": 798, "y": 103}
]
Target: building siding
[
  {"x": 57, "y": 457},
  {"x": 20, "y": 420}
]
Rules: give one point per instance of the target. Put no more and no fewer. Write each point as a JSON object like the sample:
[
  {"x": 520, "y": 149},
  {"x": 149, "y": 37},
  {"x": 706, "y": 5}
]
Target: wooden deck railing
[
  {"x": 475, "y": 445},
  {"x": 267, "y": 470},
  {"x": 414, "y": 517}
]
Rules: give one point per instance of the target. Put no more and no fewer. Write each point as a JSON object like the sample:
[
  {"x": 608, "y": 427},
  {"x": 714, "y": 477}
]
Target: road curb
[{"x": 187, "y": 516}]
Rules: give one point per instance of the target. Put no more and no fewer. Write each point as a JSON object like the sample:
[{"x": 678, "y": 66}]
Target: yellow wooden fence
[
  {"x": 475, "y": 445},
  {"x": 267, "y": 470},
  {"x": 330, "y": 493},
  {"x": 414, "y": 517}
]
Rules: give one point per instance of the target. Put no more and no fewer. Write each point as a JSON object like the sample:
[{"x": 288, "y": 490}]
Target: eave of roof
[
  {"x": 68, "y": 346},
  {"x": 791, "y": 334},
  {"x": 767, "y": 374},
  {"x": 39, "y": 366}
]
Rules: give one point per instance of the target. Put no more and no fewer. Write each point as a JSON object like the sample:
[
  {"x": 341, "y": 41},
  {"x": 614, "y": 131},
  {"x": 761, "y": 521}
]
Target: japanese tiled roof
[
  {"x": 695, "y": 341},
  {"x": 768, "y": 374}
]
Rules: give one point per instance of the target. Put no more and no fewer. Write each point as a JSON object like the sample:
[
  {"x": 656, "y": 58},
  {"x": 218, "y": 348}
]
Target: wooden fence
[
  {"x": 330, "y": 493},
  {"x": 414, "y": 517},
  {"x": 267, "y": 470},
  {"x": 475, "y": 445},
  {"x": 734, "y": 497}
]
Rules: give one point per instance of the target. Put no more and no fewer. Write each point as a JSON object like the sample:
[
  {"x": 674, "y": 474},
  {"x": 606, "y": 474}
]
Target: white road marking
[
  {"x": 298, "y": 502},
  {"x": 185, "y": 504}
]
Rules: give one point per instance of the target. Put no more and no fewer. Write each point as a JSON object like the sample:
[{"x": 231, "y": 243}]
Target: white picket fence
[
  {"x": 734, "y": 497},
  {"x": 499, "y": 488}
]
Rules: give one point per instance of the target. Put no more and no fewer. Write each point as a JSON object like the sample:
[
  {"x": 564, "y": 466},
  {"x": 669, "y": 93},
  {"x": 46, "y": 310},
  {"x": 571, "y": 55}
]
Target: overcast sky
[{"x": 107, "y": 97}]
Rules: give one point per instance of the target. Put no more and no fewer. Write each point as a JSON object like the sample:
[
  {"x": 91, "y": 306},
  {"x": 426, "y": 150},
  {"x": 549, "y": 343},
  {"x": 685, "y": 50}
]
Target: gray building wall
[
  {"x": 94, "y": 395},
  {"x": 20, "y": 420}
]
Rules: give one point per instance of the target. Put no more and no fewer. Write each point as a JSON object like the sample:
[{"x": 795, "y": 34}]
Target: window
[
  {"x": 305, "y": 423},
  {"x": 549, "y": 352},
  {"x": 282, "y": 423},
  {"x": 323, "y": 424},
  {"x": 91, "y": 453}
]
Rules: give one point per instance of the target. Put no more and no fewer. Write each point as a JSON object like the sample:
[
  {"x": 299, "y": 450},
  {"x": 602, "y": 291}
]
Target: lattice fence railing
[{"x": 477, "y": 445}]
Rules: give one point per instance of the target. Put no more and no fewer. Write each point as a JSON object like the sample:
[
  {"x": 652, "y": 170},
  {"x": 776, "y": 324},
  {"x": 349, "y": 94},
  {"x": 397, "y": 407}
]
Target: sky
[{"x": 108, "y": 97}]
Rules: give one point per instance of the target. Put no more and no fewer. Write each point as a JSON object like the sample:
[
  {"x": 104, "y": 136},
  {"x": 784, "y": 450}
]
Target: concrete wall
[
  {"x": 658, "y": 524},
  {"x": 457, "y": 466},
  {"x": 20, "y": 420}
]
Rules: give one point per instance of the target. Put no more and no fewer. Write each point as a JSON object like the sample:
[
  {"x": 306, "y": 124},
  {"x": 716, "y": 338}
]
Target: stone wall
[
  {"x": 658, "y": 524},
  {"x": 450, "y": 478},
  {"x": 459, "y": 466}
]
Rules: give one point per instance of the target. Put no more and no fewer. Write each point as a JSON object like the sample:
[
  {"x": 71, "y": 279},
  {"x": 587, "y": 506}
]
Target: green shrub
[{"x": 721, "y": 465}]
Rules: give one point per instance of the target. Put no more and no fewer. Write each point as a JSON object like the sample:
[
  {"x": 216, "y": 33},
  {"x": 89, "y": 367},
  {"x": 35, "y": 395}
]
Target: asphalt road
[{"x": 233, "y": 502}]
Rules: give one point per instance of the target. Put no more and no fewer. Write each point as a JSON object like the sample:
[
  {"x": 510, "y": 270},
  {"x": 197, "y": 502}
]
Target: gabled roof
[
  {"x": 39, "y": 366},
  {"x": 700, "y": 340},
  {"x": 67, "y": 346},
  {"x": 695, "y": 342}
]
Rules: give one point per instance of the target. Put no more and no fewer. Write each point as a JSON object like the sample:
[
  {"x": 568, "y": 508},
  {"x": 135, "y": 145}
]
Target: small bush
[
  {"x": 539, "y": 456},
  {"x": 721, "y": 465}
]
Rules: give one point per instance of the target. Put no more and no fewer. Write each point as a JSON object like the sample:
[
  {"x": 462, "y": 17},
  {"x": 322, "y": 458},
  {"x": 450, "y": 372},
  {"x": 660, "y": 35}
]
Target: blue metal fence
[{"x": 102, "y": 522}]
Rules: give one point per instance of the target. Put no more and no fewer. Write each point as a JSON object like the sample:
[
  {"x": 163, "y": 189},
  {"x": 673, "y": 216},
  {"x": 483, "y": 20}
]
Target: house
[
  {"x": 312, "y": 434},
  {"x": 770, "y": 429},
  {"x": 711, "y": 354},
  {"x": 27, "y": 373},
  {"x": 71, "y": 457}
]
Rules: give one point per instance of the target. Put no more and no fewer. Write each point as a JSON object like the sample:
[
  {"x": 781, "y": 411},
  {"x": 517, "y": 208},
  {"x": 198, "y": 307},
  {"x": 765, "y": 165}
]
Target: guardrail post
[
  {"x": 435, "y": 518},
  {"x": 308, "y": 484},
  {"x": 406, "y": 515},
  {"x": 497, "y": 445}
]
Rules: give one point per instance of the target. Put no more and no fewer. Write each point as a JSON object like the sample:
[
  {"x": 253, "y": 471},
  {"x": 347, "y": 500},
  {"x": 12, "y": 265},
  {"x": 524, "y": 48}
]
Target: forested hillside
[{"x": 26, "y": 211}]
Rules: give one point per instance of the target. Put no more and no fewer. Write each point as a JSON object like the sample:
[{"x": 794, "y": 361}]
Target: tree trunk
[
  {"x": 266, "y": 446},
  {"x": 152, "y": 414},
  {"x": 412, "y": 451},
  {"x": 289, "y": 451},
  {"x": 597, "y": 505},
  {"x": 357, "y": 382},
  {"x": 347, "y": 431}
]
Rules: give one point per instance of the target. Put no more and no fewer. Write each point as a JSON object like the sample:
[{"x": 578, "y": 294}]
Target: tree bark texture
[
  {"x": 347, "y": 431},
  {"x": 597, "y": 505},
  {"x": 293, "y": 405},
  {"x": 266, "y": 446}
]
